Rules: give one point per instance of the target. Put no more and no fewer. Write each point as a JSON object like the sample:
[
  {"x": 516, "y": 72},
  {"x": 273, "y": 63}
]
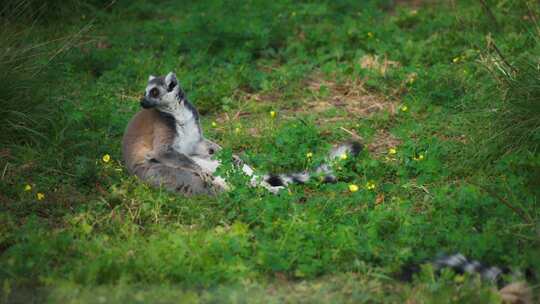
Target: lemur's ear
[
  {"x": 151, "y": 77},
  {"x": 175, "y": 90},
  {"x": 170, "y": 81}
]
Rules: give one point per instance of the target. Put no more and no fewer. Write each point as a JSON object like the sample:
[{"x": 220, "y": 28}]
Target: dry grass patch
[
  {"x": 248, "y": 114},
  {"x": 376, "y": 63},
  {"x": 382, "y": 142},
  {"x": 350, "y": 96},
  {"x": 356, "y": 102}
]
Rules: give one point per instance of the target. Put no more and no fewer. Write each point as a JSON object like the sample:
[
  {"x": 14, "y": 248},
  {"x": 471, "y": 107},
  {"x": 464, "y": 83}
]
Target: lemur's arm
[
  {"x": 163, "y": 138},
  {"x": 174, "y": 159},
  {"x": 162, "y": 151}
]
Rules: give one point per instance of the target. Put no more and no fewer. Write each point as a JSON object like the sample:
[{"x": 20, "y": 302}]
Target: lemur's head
[{"x": 162, "y": 92}]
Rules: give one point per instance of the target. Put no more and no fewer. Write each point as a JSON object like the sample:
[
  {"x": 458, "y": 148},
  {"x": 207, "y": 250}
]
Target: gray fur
[
  {"x": 181, "y": 180},
  {"x": 460, "y": 264},
  {"x": 179, "y": 173},
  {"x": 164, "y": 145},
  {"x": 513, "y": 288}
]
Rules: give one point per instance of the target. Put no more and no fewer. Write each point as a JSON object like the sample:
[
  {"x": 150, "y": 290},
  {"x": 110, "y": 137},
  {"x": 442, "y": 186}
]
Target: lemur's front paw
[
  {"x": 221, "y": 184},
  {"x": 256, "y": 181}
]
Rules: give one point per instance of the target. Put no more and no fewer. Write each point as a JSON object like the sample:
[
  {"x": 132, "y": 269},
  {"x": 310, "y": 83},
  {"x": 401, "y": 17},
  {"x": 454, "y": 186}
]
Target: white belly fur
[
  {"x": 209, "y": 165},
  {"x": 187, "y": 137}
]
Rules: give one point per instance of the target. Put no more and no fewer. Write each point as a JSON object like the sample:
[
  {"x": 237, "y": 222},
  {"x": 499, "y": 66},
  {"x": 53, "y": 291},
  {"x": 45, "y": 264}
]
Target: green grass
[{"x": 464, "y": 122}]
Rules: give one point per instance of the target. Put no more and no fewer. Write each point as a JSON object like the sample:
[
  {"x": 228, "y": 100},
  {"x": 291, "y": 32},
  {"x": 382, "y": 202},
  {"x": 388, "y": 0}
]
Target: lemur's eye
[{"x": 154, "y": 92}]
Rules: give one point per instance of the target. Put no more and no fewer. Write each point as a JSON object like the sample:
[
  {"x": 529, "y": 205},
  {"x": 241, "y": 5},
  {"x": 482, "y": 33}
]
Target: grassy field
[{"x": 445, "y": 97}]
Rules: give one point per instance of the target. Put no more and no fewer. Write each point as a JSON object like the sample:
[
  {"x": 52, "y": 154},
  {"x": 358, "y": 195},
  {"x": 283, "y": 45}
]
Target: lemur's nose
[{"x": 145, "y": 103}]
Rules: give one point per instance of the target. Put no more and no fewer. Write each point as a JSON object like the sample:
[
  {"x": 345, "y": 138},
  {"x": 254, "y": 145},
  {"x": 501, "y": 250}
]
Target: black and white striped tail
[
  {"x": 460, "y": 265},
  {"x": 325, "y": 170},
  {"x": 512, "y": 287}
]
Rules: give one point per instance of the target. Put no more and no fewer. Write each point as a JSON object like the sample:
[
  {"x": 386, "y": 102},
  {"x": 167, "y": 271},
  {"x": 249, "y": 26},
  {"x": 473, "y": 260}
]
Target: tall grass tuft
[
  {"x": 516, "y": 123},
  {"x": 19, "y": 61},
  {"x": 519, "y": 118},
  {"x": 25, "y": 63},
  {"x": 52, "y": 10}
]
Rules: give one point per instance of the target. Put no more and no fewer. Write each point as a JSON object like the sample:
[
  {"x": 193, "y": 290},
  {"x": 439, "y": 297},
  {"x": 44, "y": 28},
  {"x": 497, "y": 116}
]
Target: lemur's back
[{"x": 140, "y": 137}]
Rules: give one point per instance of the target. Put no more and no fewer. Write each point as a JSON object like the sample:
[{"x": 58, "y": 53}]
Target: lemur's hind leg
[
  {"x": 183, "y": 180},
  {"x": 178, "y": 172},
  {"x": 172, "y": 158}
]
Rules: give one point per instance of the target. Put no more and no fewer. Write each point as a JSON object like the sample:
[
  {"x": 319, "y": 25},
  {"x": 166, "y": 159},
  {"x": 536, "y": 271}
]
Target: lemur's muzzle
[{"x": 147, "y": 104}]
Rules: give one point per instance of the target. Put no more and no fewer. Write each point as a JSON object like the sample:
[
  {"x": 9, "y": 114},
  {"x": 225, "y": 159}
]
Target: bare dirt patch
[
  {"x": 381, "y": 65},
  {"x": 356, "y": 101},
  {"x": 382, "y": 142},
  {"x": 350, "y": 96}
]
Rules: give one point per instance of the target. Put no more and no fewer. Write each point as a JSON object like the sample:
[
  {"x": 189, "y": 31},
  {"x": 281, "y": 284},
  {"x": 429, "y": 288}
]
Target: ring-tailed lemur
[{"x": 164, "y": 145}]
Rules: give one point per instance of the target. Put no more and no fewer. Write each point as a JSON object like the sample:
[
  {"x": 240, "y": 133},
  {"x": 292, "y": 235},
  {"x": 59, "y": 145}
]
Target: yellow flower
[
  {"x": 370, "y": 185},
  {"x": 392, "y": 151},
  {"x": 420, "y": 157},
  {"x": 309, "y": 155},
  {"x": 40, "y": 196},
  {"x": 353, "y": 188},
  {"x": 27, "y": 188},
  {"x": 459, "y": 279},
  {"x": 456, "y": 59},
  {"x": 106, "y": 158},
  {"x": 343, "y": 156},
  {"x": 412, "y": 78},
  {"x": 214, "y": 124},
  {"x": 273, "y": 114},
  {"x": 236, "y": 130},
  {"x": 370, "y": 35},
  {"x": 404, "y": 108}
]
